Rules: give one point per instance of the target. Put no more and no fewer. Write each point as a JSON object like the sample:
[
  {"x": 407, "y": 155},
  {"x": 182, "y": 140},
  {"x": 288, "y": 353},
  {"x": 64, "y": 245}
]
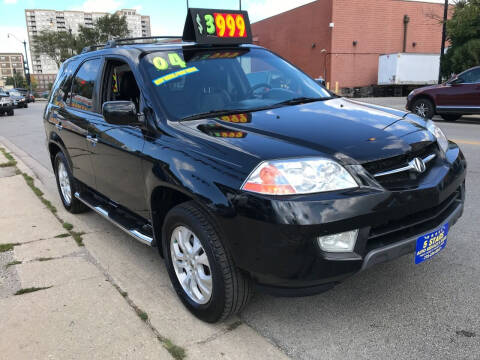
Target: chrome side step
[{"x": 135, "y": 233}]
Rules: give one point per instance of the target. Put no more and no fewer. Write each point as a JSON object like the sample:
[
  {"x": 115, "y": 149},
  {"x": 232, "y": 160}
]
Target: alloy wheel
[
  {"x": 191, "y": 265},
  {"x": 64, "y": 181},
  {"x": 421, "y": 109}
]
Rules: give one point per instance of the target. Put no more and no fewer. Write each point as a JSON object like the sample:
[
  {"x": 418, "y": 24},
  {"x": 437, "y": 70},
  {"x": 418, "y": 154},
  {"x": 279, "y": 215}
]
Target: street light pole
[
  {"x": 444, "y": 38},
  {"x": 26, "y": 66}
]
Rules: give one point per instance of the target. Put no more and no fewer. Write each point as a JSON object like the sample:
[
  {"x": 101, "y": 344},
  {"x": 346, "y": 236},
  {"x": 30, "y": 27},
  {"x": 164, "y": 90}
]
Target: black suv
[{"x": 277, "y": 184}]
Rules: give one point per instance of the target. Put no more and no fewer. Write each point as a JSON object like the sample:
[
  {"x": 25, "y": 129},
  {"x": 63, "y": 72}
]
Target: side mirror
[{"x": 120, "y": 112}]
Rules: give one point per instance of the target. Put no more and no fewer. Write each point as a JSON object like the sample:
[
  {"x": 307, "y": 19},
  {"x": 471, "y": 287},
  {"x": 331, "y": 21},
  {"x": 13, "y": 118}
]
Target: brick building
[
  {"x": 341, "y": 40},
  {"x": 10, "y": 63}
]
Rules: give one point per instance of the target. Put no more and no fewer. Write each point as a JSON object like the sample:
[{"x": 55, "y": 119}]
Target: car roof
[{"x": 137, "y": 49}]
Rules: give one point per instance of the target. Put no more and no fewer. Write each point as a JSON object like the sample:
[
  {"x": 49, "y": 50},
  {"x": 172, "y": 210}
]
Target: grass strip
[
  {"x": 141, "y": 314},
  {"x": 30, "y": 290},
  {"x": 11, "y": 161},
  {"x": 77, "y": 236},
  {"x": 44, "y": 258},
  {"x": 31, "y": 184},
  {"x": 177, "y": 352},
  {"x": 7, "y": 247},
  {"x": 67, "y": 226},
  {"x": 12, "y": 263},
  {"x": 62, "y": 236}
]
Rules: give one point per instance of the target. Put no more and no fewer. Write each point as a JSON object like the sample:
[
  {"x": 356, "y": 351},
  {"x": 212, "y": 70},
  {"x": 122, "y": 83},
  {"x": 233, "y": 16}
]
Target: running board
[{"x": 136, "y": 233}]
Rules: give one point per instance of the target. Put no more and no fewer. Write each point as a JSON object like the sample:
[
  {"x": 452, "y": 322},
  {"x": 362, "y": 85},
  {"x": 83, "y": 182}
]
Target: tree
[
  {"x": 17, "y": 80},
  {"x": 57, "y": 45},
  {"x": 463, "y": 32},
  {"x": 105, "y": 28},
  {"x": 60, "y": 45}
]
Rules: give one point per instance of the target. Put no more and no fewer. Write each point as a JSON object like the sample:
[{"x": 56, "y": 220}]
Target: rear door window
[
  {"x": 83, "y": 87},
  {"x": 63, "y": 84}
]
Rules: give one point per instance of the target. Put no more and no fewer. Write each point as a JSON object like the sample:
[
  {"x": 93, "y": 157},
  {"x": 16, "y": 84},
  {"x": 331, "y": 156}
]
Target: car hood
[
  {"x": 349, "y": 131},
  {"x": 430, "y": 87}
]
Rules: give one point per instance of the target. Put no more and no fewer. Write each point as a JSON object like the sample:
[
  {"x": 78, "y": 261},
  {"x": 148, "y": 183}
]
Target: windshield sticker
[
  {"x": 166, "y": 78},
  {"x": 174, "y": 60}
]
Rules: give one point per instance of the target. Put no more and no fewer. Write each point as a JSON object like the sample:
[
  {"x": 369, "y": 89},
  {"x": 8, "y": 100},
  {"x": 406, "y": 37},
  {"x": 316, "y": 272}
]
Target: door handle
[{"x": 92, "y": 140}]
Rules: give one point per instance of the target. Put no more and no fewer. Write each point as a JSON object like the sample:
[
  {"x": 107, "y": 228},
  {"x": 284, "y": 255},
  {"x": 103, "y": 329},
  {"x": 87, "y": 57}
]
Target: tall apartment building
[
  {"x": 39, "y": 19},
  {"x": 8, "y": 63}
]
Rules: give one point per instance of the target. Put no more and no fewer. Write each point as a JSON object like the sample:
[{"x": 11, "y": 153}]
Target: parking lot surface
[{"x": 396, "y": 310}]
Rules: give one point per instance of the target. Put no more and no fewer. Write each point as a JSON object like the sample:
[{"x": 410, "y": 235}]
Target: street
[{"x": 396, "y": 310}]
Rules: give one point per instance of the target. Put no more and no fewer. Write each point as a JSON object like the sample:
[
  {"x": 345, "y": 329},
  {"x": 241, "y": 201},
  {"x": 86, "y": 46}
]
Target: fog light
[{"x": 342, "y": 242}]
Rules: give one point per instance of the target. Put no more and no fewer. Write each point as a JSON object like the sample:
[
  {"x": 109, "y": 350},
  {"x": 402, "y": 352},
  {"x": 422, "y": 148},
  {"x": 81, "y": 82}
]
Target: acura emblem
[{"x": 418, "y": 165}]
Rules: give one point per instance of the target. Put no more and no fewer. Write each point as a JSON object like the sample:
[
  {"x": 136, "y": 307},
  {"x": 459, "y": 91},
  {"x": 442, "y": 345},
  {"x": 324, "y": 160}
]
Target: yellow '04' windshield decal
[{"x": 163, "y": 79}]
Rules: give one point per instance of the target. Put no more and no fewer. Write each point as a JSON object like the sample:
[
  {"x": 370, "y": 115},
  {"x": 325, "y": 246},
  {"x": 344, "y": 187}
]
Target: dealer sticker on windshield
[{"x": 431, "y": 244}]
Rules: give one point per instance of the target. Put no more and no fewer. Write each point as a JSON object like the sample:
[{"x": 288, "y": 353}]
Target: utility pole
[
  {"x": 444, "y": 38},
  {"x": 240, "y": 4},
  {"x": 26, "y": 66}
]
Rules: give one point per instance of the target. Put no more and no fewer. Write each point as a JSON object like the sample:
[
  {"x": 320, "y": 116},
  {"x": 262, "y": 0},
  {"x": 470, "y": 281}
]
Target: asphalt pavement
[{"x": 397, "y": 310}]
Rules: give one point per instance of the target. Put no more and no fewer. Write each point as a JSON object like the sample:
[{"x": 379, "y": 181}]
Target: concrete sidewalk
[{"x": 73, "y": 288}]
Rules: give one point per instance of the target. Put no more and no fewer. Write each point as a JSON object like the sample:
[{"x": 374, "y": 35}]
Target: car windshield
[
  {"x": 240, "y": 79},
  {"x": 15, "y": 93}
]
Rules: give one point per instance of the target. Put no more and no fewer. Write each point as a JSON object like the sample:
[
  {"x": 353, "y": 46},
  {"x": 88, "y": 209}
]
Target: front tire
[
  {"x": 201, "y": 270},
  {"x": 451, "y": 117},
  {"x": 424, "y": 108},
  {"x": 11, "y": 112},
  {"x": 66, "y": 185}
]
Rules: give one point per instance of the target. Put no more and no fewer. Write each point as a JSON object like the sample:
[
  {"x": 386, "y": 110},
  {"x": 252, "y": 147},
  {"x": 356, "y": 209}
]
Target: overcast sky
[{"x": 167, "y": 16}]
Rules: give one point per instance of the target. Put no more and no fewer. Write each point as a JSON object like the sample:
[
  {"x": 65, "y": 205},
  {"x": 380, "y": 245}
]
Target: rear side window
[
  {"x": 83, "y": 87},
  {"x": 63, "y": 83}
]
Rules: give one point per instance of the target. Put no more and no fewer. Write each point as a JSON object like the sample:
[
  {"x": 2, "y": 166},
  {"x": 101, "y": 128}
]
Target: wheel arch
[
  {"x": 162, "y": 199},
  {"x": 425, "y": 96},
  {"x": 55, "y": 145}
]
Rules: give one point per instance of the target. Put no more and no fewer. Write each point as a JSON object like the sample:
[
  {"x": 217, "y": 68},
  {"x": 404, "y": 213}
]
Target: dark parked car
[
  {"x": 6, "y": 104},
  {"x": 27, "y": 94},
  {"x": 276, "y": 184},
  {"x": 19, "y": 100},
  {"x": 458, "y": 96}
]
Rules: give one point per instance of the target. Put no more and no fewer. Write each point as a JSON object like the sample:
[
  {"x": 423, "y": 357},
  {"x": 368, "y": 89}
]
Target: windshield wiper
[{"x": 302, "y": 100}]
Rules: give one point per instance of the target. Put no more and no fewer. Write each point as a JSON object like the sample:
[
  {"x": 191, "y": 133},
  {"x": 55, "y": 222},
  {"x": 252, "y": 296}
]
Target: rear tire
[
  {"x": 424, "y": 107},
  {"x": 228, "y": 290},
  {"x": 451, "y": 117},
  {"x": 11, "y": 112},
  {"x": 25, "y": 106},
  {"x": 67, "y": 185}
]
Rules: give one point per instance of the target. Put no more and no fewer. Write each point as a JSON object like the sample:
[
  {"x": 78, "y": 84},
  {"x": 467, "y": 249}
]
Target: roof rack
[
  {"x": 91, "y": 48},
  {"x": 141, "y": 40},
  {"x": 135, "y": 40}
]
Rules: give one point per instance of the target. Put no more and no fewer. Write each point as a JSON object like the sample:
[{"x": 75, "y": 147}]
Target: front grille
[
  {"x": 404, "y": 179},
  {"x": 413, "y": 224}
]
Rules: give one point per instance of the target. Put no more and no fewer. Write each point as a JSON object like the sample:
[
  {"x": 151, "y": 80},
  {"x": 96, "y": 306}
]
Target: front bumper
[
  {"x": 275, "y": 240},
  {"x": 6, "y": 107}
]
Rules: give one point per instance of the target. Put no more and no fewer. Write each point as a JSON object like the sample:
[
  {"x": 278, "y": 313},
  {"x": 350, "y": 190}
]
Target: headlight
[
  {"x": 298, "y": 176},
  {"x": 438, "y": 133}
]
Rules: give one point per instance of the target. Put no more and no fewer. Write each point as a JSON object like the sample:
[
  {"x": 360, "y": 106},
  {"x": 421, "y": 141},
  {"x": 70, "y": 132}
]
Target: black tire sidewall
[
  {"x": 213, "y": 310},
  {"x": 452, "y": 117},
  {"x": 427, "y": 102},
  {"x": 60, "y": 157}
]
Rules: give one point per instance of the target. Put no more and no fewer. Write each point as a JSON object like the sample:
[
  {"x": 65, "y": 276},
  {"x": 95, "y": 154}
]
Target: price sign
[{"x": 206, "y": 26}]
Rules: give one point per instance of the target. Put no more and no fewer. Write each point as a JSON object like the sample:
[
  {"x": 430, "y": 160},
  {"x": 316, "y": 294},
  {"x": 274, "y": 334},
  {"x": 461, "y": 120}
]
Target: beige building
[
  {"x": 8, "y": 63},
  {"x": 40, "y": 19}
]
